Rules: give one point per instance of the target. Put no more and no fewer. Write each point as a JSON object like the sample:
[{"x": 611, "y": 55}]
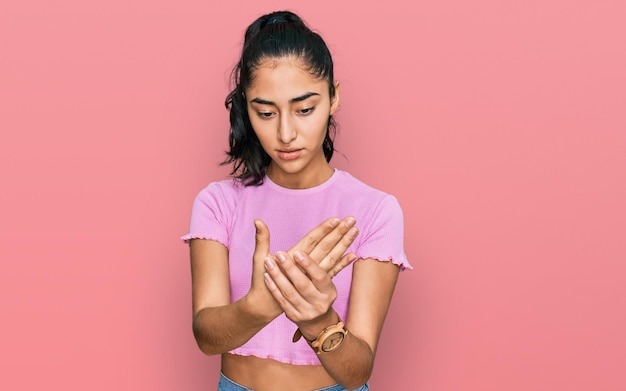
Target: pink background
[{"x": 499, "y": 125}]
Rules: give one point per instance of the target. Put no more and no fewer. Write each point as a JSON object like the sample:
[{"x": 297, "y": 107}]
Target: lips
[{"x": 289, "y": 154}]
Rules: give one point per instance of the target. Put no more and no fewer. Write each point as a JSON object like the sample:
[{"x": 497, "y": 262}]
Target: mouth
[{"x": 289, "y": 154}]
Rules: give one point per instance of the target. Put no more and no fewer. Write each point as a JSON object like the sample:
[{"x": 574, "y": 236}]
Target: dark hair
[{"x": 274, "y": 35}]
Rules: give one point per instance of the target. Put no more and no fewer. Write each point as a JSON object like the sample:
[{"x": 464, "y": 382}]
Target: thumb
[{"x": 262, "y": 240}]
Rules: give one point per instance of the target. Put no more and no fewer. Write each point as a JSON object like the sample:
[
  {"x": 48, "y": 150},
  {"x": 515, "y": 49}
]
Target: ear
[{"x": 334, "y": 101}]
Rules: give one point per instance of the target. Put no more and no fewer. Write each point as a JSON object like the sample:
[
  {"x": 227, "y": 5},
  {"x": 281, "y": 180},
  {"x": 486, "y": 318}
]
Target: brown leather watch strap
[{"x": 328, "y": 339}]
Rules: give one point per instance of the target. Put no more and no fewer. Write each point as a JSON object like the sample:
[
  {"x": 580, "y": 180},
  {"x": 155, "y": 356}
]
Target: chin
[{"x": 290, "y": 167}]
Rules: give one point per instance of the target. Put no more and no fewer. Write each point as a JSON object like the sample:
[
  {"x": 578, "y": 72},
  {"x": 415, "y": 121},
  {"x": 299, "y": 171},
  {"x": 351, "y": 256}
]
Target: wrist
[
  {"x": 259, "y": 310},
  {"x": 328, "y": 340},
  {"x": 311, "y": 329}
]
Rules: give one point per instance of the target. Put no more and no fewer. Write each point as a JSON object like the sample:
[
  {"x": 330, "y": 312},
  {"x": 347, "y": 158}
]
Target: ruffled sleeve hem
[
  {"x": 400, "y": 261},
  {"x": 187, "y": 238}
]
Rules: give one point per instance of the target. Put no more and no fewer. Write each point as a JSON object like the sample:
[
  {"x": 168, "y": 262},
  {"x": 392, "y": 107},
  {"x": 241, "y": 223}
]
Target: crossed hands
[{"x": 298, "y": 281}]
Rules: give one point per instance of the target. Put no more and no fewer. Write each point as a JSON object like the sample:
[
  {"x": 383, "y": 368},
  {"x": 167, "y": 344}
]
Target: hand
[
  {"x": 327, "y": 243},
  {"x": 303, "y": 289}
]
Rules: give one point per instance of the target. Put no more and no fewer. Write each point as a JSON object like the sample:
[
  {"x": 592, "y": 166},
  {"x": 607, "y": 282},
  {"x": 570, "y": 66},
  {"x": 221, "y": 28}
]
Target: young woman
[{"x": 292, "y": 297}]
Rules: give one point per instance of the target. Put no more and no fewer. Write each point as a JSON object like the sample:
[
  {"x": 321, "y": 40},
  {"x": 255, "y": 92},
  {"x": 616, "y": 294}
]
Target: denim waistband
[{"x": 226, "y": 384}]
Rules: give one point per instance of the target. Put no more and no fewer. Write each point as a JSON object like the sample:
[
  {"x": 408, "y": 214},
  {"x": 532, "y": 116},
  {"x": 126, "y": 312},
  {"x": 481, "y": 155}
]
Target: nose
[{"x": 286, "y": 130}]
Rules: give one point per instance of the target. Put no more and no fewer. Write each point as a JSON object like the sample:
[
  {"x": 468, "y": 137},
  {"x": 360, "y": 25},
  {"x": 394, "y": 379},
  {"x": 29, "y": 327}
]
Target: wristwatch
[{"x": 328, "y": 340}]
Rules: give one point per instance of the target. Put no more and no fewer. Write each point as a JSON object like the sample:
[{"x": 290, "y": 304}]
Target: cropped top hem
[{"x": 274, "y": 357}]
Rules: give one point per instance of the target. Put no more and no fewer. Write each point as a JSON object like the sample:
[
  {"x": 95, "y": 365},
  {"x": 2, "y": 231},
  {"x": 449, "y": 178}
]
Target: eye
[
  {"x": 306, "y": 111},
  {"x": 265, "y": 114}
]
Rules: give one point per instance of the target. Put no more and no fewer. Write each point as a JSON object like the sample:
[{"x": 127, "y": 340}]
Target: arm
[
  {"x": 307, "y": 301},
  {"x": 220, "y": 326}
]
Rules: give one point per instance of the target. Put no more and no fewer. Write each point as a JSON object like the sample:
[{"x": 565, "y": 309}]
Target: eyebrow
[{"x": 292, "y": 100}]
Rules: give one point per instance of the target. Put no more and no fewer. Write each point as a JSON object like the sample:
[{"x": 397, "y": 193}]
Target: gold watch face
[{"x": 331, "y": 342}]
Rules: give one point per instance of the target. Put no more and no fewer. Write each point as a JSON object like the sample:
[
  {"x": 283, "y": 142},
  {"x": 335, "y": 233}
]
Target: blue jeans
[{"x": 226, "y": 384}]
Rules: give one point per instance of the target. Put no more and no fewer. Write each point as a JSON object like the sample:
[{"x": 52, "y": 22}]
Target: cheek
[{"x": 321, "y": 125}]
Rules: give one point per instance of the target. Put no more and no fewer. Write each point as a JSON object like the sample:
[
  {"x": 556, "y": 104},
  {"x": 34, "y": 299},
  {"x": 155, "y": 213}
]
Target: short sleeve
[
  {"x": 211, "y": 213},
  {"x": 382, "y": 237}
]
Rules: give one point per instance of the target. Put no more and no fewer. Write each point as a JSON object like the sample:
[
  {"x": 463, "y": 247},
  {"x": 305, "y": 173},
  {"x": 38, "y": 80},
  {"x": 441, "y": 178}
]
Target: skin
[{"x": 289, "y": 110}]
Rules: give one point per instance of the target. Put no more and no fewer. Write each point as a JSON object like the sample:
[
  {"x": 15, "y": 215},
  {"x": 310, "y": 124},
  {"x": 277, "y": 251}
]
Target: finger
[
  {"x": 283, "y": 303},
  {"x": 261, "y": 247},
  {"x": 325, "y": 292},
  {"x": 302, "y": 298},
  {"x": 281, "y": 288},
  {"x": 336, "y": 242},
  {"x": 297, "y": 284},
  {"x": 262, "y": 240},
  {"x": 338, "y": 252},
  {"x": 315, "y": 274},
  {"x": 313, "y": 237},
  {"x": 341, "y": 264}
]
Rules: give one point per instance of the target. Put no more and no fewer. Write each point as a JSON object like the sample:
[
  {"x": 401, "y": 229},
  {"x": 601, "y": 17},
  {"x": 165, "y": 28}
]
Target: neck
[{"x": 300, "y": 180}]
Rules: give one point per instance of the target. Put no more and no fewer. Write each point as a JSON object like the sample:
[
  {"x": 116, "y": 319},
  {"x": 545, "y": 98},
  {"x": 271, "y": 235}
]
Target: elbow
[
  {"x": 207, "y": 349},
  {"x": 204, "y": 346},
  {"x": 356, "y": 384},
  {"x": 203, "y": 341},
  {"x": 358, "y": 380}
]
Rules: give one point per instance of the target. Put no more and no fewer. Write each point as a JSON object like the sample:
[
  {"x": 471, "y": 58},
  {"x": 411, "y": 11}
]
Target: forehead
[{"x": 284, "y": 78}]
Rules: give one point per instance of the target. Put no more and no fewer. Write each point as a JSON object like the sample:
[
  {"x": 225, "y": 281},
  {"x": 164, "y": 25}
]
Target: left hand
[{"x": 303, "y": 289}]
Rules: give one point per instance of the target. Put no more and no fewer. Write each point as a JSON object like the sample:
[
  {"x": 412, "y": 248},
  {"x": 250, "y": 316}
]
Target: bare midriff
[{"x": 265, "y": 374}]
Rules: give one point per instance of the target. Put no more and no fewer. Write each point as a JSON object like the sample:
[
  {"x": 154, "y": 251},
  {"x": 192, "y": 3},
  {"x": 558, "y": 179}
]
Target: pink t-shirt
[{"x": 225, "y": 211}]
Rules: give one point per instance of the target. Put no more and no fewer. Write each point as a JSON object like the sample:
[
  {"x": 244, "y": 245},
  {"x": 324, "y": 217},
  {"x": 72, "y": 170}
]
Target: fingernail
[
  {"x": 281, "y": 257},
  {"x": 334, "y": 222},
  {"x": 269, "y": 265},
  {"x": 350, "y": 221},
  {"x": 298, "y": 256},
  {"x": 353, "y": 233}
]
